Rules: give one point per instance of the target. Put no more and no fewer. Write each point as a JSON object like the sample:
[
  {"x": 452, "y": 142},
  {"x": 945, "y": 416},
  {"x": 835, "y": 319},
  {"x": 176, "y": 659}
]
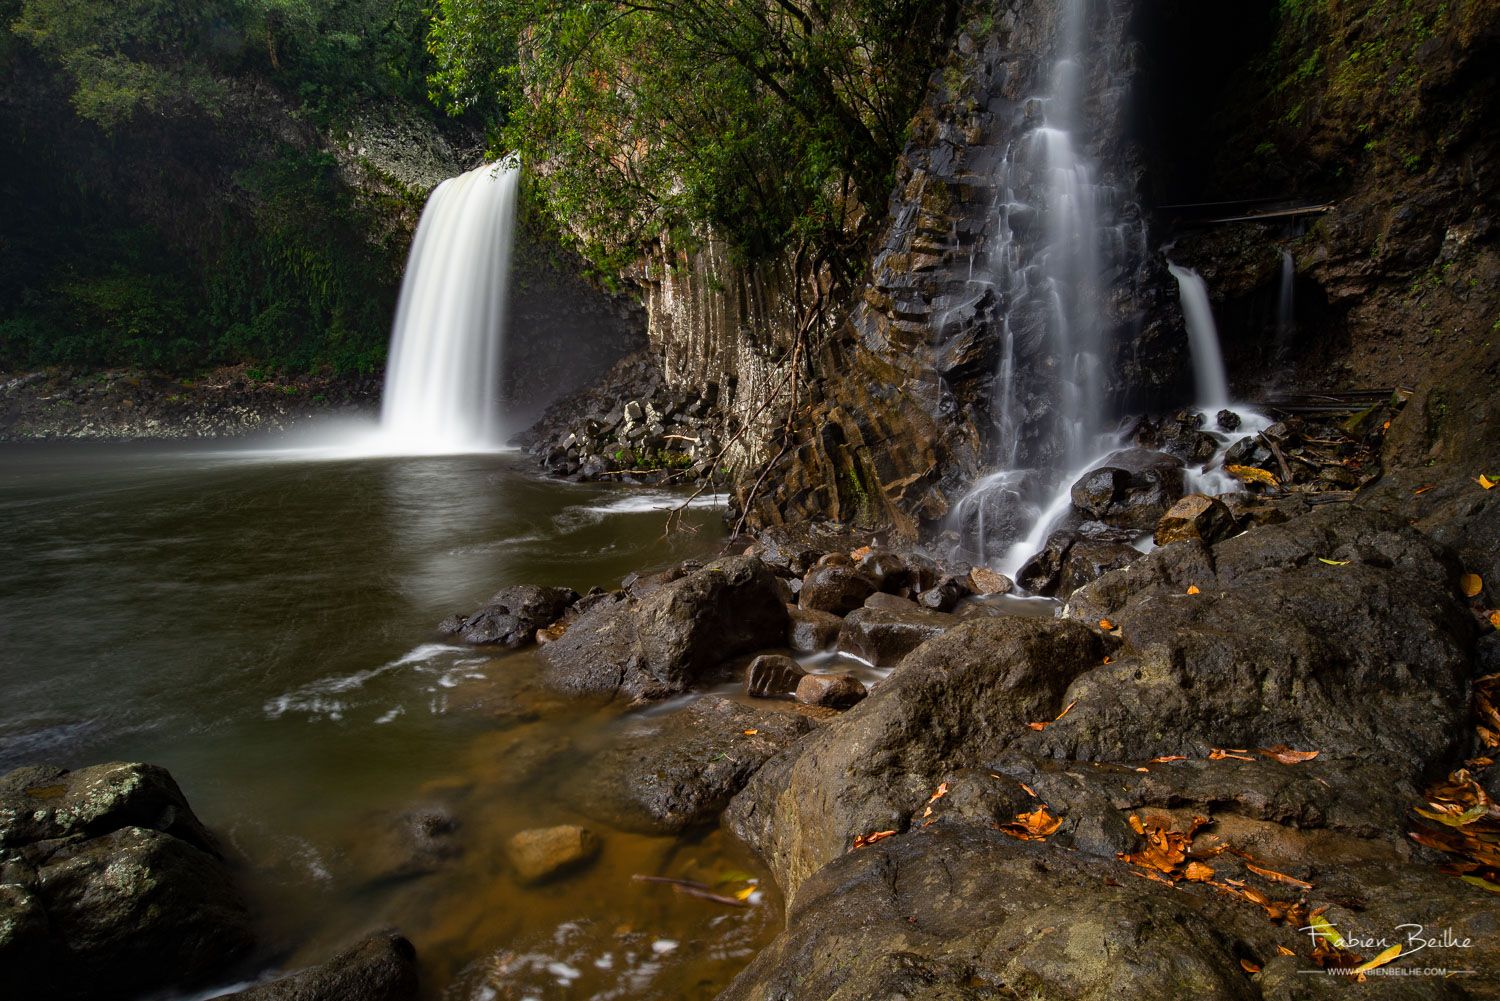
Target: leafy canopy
[{"x": 769, "y": 121}]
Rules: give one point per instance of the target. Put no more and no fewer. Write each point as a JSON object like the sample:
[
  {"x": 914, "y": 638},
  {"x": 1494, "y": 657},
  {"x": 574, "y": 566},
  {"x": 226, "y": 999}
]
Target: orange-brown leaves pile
[
  {"x": 1038, "y": 825},
  {"x": 1462, "y": 821}
]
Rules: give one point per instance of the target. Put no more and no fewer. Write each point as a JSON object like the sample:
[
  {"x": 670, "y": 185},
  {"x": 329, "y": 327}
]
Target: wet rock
[
  {"x": 958, "y": 701},
  {"x": 512, "y": 617},
  {"x": 983, "y": 580},
  {"x": 944, "y": 597},
  {"x": 832, "y": 691},
  {"x": 882, "y": 636},
  {"x": 1072, "y": 559},
  {"x": 1131, "y": 489},
  {"x": 542, "y": 853},
  {"x": 835, "y": 589},
  {"x": 772, "y": 674},
  {"x": 812, "y": 631},
  {"x": 382, "y": 967},
  {"x": 901, "y": 573},
  {"x": 677, "y": 636},
  {"x": 1249, "y": 451},
  {"x": 109, "y": 886},
  {"x": 1227, "y": 420},
  {"x": 683, "y": 772},
  {"x": 1205, "y": 519},
  {"x": 891, "y": 602},
  {"x": 413, "y": 843}
]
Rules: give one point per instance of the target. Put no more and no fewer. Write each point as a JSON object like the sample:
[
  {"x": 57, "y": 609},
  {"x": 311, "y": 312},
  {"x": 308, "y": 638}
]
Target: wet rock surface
[
  {"x": 678, "y": 635},
  {"x": 883, "y": 636},
  {"x": 831, "y": 691},
  {"x": 512, "y": 617},
  {"x": 770, "y": 675},
  {"x": 110, "y": 886},
  {"x": 1132, "y": 488},
  {"x": 1195, "y": 518},
  {"x": 837, "y": 590},
  {"x": 381, "y": 967},
  {"x": 541, "y": 853},
  {"x": 681, "y": 773}
]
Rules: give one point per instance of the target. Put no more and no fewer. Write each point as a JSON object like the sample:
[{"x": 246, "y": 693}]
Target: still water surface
[{"x": 262, "y": 626}]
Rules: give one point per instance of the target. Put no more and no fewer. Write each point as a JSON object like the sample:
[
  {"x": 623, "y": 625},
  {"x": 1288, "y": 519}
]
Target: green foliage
[{"x": 770, "y": 122}]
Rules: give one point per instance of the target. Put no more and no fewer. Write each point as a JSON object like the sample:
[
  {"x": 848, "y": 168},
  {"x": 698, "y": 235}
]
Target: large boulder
[
  {"x": 110, "y": 886},
  {"x": 1072, "y": 558},
  {"x": 512, "y": 617},
  {"x": 681, "y": 773},
  {"x": 835, "y": 589},
  {"x": 956, "y": 701},
  {"x": 1195, "y": 518},
  {"x": 882, "y": 636},
  {"x": 1132, "y": 488},
  {"x": 381, "y": 967},
  {"x": 678, "y": 636}
]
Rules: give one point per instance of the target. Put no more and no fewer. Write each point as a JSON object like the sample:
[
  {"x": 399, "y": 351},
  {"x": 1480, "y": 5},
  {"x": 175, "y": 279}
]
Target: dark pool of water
[{"x": 263, "y": 627}]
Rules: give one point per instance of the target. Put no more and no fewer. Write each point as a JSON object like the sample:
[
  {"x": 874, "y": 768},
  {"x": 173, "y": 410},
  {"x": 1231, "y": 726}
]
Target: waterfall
[
  {"x": 443, "y": 376},
  {"x": 1051, "y": 243},
  {"x": 1286, "y": 305},
  {"x": 1210, "y": 382}
]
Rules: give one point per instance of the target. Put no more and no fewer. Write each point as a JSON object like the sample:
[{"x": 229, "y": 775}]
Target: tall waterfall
[
  {"x": 443, "y": 377},
  {"x": 1053, "y": 240},
  {"x": 1286, "y": 304},
  {"x": 1210, "y": 381}
]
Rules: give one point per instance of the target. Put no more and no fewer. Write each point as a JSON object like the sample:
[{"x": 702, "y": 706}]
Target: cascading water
[
  {"x": 443, "y": 377},
  {"x": 1057, "y": 290},
  {"x": 1286, "y": 305},
  {"x": 1210, "y": 382}
]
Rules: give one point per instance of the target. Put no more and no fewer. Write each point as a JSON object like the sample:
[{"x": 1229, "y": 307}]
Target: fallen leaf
[
  {"x": 1287, "y": 756},
  {"x": 1278, "y": 877},
  {"x": 859, "y": 554},
  {"x": 941, "y": 791},
  {"x": 870, "y": 839},
  {"x": 1111, "y": 660},
  {"x": 1193, "y": 589},
  {"x": 1135, "y": 824},
  {"x": 1380, "y": 960},
  {"x": 1423, "y": 489},
  {"x": 1143, "y": 769},
  {"x": 749, "y": 733},
  {"x": 1106, "y": 625},
  {"x": 1029, "y": 791},
  {"x": 1282, "y": 950},
  {"x": 1167, "y": 759},
  {"x": 746, "y": 893},
  {"x": 1471, "y": 584},
  {"x": 1482, "y": 883},
  {"x": 1042, "y": 726},
  {"x": 1324, "y": 930},
  {"x": 1249, "y": 967},
  {"x": 1486, "y": 482},
  {"x": 1038, "y": 825},
  {"x": 1198, "y": 872},
  {"x": 1250, "y": 474},
  {"x": 1334, "y": 563},
  {"x": 1236, "y": 753},
  {"x": 1494, "y": 622}
]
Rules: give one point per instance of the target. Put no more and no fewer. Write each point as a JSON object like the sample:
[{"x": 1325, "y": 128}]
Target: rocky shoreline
[
  {"x": 1280, "y": 719},
  {"x": 127, "y": 405}
]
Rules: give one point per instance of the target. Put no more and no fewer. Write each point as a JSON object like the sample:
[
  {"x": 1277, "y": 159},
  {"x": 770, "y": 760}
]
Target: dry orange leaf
[
  {"x": 1219, "y": 754},
  {"x": 1486, "y": 482},
  {"x": 1106, "y": 625},
  {"x": 1198, "y": 872},
  {"x": 1168, "y": 758},
  {"x": 1380, "y": 960},
  {"x": 1038, "y": 825},
  {"x": 1193, "y": 589},
  {"x": 870, "y": 839},
  {"x": 1111, "y": 660},
  {"x": 1471, "y": 584},
  {"x": 1250, "y": 474},
  {"x": 1029, "y": 791},
  {"x": 1423, "y": 489},
  {"x": 1287, "y": 756},
  {"x": 1284, "y": 951},
  {"x": 1067, "y": 709},
  {"x": 859, "y": 554},
  {"x": 749, "y": 733},
  {"x": 1249, "y": 967},
  {"x": 941, "y": 791},
  {"x": 1494, "y": 622},
  {"x": 1278, "y": 877}
]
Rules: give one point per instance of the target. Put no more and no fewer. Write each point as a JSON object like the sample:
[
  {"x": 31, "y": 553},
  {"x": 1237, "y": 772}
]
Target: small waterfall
[
  {"x": 1052, "y": 242},
  {"x": 1211, "y": 384},
  {"x": 443, "y": 377},
  {"x": 1286, "y": 305}
]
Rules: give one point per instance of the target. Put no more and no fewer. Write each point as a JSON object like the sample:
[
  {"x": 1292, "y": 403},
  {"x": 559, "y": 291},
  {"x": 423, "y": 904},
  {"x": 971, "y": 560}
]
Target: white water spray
[
  {"x": 1210, "y": 381},
  {"x": 443, "y": 377}
]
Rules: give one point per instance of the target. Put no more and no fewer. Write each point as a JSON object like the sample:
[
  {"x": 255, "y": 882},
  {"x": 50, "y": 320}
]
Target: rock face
[
  {"x": 831, "y": 691},
  {"x": 682, "y": 774},
  {"x": 1195, "y": 518},
  {"x": 882, "y": 636},
  {"x": 1339, "y": 687},
  {"x": 382, "y": 967},
  {"x": 512, "y": 617},
  {"x": 1132, "y": 488},
  {"x": 772, "y": 674},
  {"x": 956, "y": 700},
  {"x": 676, "y": 636},
  {"x": 110, "y": 886},
  {"x": 539, "y": 854},
  {"x": 837, "y": 590},
  {"x": 812, "y": 631},
  {"x": 1072, "y": 559}
]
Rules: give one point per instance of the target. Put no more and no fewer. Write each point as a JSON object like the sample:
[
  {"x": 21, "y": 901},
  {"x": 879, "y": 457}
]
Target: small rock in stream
[
  {"x": 772, "y": 674},
  {"x": 542, "y": 853},
  {"x": 381, "y": 967},
  {"x": 832, "y": 691},
  {"x": 1206, "y": 519}
]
